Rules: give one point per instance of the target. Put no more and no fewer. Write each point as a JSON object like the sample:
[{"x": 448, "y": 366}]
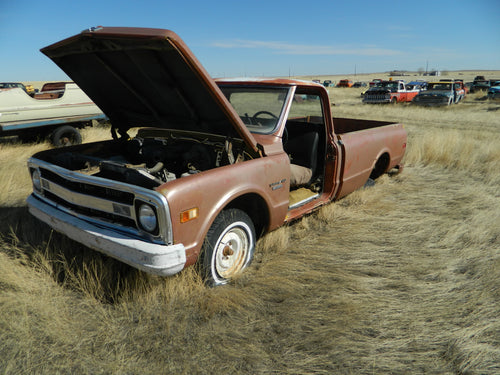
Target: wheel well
[
  {"x": 380, "y": 166},
  {"x": 255, "y": 206}
]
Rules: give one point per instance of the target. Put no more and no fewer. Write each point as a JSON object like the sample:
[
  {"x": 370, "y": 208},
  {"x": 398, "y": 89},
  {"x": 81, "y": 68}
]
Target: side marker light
[{"x": 189, "y": 215}]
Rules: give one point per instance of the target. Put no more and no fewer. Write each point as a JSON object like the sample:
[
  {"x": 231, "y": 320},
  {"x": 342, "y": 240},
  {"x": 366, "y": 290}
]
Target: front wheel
[{"x": 228, "y": 248}]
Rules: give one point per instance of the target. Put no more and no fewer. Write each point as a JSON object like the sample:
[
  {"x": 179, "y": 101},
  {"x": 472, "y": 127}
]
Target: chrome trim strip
[
  {"x": 303, "y": 202},
  {"x": 84, "y": 200}
]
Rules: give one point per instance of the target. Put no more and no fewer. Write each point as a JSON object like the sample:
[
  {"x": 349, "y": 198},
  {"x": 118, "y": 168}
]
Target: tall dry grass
[{"x": 400, "y": 278}]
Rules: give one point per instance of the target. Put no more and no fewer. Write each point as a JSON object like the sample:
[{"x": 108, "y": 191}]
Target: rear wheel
[
  {"x": 380, "y": 167},
  {"x": 66, "y": 136},
  {"x": 228, "y": 248}
]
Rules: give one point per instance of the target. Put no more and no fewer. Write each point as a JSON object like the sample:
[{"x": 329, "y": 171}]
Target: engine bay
[{"x": 149, "y": 159}]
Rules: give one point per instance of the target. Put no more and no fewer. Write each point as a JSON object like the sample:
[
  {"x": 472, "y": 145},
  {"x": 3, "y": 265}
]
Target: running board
[{"x": 303, "y": 201}]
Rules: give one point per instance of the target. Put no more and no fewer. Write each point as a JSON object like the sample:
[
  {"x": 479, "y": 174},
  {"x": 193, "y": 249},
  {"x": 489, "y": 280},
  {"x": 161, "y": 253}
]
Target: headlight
[
  {"x": 147, "y": 217},
  {"x": 36, "y": 178}
]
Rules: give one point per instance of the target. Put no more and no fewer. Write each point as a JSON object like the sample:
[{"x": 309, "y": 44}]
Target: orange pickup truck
[
  {"x": 390, "y": 92},
  {"x": 214, "y": 165},
  {"x": 345, "y": 83}
]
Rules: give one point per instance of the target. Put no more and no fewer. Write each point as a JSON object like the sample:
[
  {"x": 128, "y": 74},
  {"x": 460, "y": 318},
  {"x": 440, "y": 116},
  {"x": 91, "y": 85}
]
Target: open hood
[{"x": 147, "y": 77}]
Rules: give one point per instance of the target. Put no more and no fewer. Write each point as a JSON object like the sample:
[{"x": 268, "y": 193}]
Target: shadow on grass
[{"x": 69, "y": 263}]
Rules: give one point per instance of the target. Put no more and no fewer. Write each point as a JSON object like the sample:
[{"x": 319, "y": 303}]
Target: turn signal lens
[
  {"x": 189, "y": 215},
  {"x": 37, "y": 181}
]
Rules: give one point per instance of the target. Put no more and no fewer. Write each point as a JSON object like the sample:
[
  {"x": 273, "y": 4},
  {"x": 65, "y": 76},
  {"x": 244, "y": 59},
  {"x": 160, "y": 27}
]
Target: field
[{"x": 399, "y": 278}]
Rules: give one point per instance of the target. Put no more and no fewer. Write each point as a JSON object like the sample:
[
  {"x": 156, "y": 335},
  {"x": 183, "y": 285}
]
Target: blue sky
[{"x": 269, "y": 37}]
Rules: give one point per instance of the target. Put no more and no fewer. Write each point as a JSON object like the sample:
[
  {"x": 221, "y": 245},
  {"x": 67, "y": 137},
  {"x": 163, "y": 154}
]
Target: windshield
[
  {"x": 439, "y": 86},
  {"x": 392, "y": 85},
  {"x": 258, "y": 107}
]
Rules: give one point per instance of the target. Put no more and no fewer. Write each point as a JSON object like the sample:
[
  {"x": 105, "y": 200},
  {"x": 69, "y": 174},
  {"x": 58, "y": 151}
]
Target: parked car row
[
  {"x": 420, "y": 92},
  {"x": 443, "y": 92}
]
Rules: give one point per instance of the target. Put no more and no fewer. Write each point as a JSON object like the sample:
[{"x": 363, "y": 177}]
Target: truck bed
[
  {"x": 349, "y": 125},
  {"x": 381, "y": 143}
]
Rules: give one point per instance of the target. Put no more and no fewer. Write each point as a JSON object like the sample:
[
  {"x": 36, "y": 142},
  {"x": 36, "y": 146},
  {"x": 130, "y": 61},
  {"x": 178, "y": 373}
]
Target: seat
[{"x": 303, "y": 152}]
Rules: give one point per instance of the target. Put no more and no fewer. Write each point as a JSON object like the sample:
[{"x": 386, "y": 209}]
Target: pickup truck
[
  {"x": 444, "y": 92},
  {"x": 390, "y": 92},
  {"x": 211, "y": 166},
  {"x": 345, "y": 83},
  {"x": 56, "y": 112}
]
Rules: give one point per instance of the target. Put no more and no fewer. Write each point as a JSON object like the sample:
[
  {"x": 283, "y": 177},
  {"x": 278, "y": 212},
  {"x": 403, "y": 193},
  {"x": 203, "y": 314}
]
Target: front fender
[{"x": 211, "y": 191}]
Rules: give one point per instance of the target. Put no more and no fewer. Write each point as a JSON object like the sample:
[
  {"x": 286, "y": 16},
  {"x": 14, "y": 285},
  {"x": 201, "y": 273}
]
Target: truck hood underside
[{"x": 147, "y": 77}]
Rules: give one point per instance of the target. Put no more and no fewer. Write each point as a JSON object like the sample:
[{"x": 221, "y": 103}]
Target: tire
[
  {"x": 380, "y": 167},
  {"x": 228, "y": 247},
  {"x": 394, "y": 100},
  {"x": 66, "y": 136}
]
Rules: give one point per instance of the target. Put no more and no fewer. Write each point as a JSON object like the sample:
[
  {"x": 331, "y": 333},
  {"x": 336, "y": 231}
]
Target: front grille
[
  {"x": 91, "y": 212},
  {"x": 432, "y": 98},
  {"x": 377, "y": 98},
  {"x": 89, "y": 189},
  {"x": 103, "y": 202}
]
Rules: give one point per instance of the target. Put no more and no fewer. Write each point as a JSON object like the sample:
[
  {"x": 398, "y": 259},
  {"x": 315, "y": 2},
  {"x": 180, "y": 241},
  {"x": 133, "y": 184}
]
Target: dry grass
[{"x": 400, "y": 278}]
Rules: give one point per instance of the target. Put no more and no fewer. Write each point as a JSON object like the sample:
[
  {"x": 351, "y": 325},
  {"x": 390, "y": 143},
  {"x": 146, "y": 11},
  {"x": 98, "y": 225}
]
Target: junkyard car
[
  {"x": 345, "y": 83},
  {"x": 57, "y": 111},
  {"x": 482, "y": 85},
  {"x": 390, "y": 92},
  {"x": 494, "y": 90},
  {"x": 417, "y": 85},
  {"x": 441, "y": 93},
  {"x": 12, "y": 85}
]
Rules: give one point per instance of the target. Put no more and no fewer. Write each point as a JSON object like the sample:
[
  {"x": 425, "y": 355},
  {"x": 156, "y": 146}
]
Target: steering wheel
[{"x": 257, "y": 114}]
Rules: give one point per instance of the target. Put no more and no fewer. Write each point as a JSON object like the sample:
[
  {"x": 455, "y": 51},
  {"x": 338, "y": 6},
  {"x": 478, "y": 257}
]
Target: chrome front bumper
[{"x": 163, "y": 260}]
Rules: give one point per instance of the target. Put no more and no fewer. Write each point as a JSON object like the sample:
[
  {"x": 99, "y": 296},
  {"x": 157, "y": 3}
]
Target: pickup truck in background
[
  {"x": 345, "y": 83},
  {"x": 57, "y": 111},
  {"x": 375, "y": 81},
  {"x": 482, "y": 85},
  {"x": 494, "y": 90},
  {"x": 390, "y": 92},
  {"x": 213, "y": 164},
  {"x": 444, "y": 92}
]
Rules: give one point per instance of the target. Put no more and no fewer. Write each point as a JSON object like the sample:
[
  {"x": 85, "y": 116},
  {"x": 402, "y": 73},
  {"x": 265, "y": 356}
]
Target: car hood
[
  {"x": 147, "y": 77},
  {"x": 435, "y": 93},
  {"x": 378, "y": 90}
]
